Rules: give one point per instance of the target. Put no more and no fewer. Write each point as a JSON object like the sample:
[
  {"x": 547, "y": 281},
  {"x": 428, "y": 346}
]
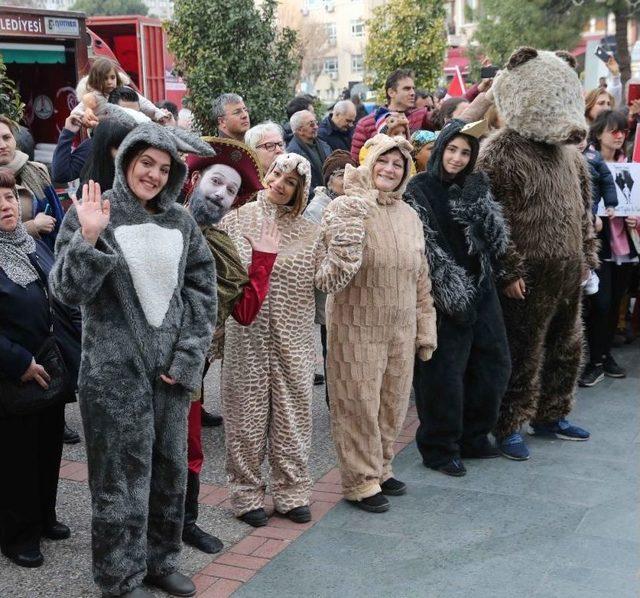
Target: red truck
[{"x": 140, "y": 46}]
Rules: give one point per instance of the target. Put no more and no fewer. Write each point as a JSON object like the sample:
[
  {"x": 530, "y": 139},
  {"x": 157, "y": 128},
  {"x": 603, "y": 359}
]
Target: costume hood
[
  {"x": 294, "y": 163},
  {"x": 452, "y": 129},
  {"x": 358, "y": 181},
  {"x": 172, "y": 140},
  {"x": 540, "y": 97}
]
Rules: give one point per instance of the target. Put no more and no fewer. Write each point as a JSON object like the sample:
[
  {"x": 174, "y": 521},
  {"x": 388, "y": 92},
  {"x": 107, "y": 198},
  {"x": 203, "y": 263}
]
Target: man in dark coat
[
  {"x": 336, "y": 129},
  {"x": 305, "y": 143}
]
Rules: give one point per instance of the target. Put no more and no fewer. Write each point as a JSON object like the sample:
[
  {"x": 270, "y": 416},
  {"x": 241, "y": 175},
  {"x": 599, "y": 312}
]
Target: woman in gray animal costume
[{"x": 137, "y": 264}]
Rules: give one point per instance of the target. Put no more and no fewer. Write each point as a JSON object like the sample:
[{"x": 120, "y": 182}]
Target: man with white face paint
[{"x": 216, "y": 185}]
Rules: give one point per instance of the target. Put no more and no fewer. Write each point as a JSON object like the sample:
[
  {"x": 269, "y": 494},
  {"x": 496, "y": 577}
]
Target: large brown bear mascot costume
[{"x": 542, "y": 182}]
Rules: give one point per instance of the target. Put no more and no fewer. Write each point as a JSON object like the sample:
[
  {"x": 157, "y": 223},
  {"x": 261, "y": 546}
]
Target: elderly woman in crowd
[
  {"x": 268, "y": 367},
  {"x": 138, "y": 265},
  {"x": 379, "y": 322},
  {"x": 41, "y": 208},
  {"x": 267, "y": 140},
  {"x": 30, "y": 439}
]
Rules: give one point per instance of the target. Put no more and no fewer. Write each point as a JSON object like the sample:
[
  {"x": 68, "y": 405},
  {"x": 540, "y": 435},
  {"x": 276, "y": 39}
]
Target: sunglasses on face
[{"x": 618, "y": 132}]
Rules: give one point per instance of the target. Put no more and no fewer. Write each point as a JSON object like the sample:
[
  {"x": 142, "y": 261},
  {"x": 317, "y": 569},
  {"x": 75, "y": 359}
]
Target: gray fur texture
[
  {"x": 486, "y": 232},
  {"x": 135, "y": 424}
]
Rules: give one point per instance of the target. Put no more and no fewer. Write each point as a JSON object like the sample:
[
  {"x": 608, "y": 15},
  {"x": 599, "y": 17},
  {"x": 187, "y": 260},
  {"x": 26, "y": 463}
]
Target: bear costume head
[{"x": 539, "y": 95}]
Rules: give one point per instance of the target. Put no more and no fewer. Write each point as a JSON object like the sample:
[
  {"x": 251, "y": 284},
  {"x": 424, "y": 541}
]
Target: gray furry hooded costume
[
  {"x": 458, "y": 392},
  {"x": 542, "y": 183},
  {"x": 149, "y": 308}
]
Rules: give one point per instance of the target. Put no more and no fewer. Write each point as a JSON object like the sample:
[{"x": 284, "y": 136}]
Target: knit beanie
[{"x": 336, "y": 160}]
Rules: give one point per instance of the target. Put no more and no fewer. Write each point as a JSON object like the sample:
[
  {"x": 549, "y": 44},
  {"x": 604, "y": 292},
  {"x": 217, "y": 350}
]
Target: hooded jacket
[
  {"x": 143, "y": 313},
  {"x": 455, "y": 278}
]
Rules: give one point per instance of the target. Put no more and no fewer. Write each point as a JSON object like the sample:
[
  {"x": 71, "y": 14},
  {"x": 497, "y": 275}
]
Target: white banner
[{"x": 626, "y": 177}]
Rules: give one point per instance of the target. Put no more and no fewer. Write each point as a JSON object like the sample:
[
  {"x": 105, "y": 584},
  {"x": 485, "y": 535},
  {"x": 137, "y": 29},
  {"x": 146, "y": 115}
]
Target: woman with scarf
[
  {"x": 381, "y": 318},
  {"x": 41, "y": 208},
  {"x": 30, "y": 442},
  {"x": 138, "y": 265},
  {"x": 268, "y": 366},
  {"x": 458, "y": 392}
]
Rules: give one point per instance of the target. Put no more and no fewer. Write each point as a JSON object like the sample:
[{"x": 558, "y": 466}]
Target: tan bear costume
[
  {"x": 377, "y": 323},
  {"x": 268, "y": 367},
  {"x": 542, "y": 182}
]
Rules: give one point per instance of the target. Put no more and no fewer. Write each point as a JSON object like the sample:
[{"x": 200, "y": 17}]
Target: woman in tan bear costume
[
  {"x": 543, "y": 184},
  {"x": 377, "y": 324}
]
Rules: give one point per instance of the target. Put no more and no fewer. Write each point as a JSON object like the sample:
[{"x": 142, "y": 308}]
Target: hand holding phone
[{"x": 602, "y": 54}]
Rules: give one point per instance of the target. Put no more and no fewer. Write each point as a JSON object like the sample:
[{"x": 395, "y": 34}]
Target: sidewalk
[{"x": 563, "y": 524}]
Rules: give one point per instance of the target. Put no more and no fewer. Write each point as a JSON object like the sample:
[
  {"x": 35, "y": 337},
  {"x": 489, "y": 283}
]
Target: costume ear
[
  {"x": 520, "y": 56},
  {"x": 189, "y": 142},
  {"x": 567, "y": 57},
  {"x": 125, "y": 116}
]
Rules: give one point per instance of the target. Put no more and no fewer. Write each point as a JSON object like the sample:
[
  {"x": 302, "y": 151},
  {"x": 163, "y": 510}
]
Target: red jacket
[{"x": 418, "y": 119}]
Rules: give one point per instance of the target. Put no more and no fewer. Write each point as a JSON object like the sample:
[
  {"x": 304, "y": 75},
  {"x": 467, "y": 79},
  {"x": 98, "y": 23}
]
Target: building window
[
  {"x": 332, "y": 36},
  {"x": 357, "y": 28},
  {"x": 357, "y": 63},
  {"x": 331, "y": 65}
]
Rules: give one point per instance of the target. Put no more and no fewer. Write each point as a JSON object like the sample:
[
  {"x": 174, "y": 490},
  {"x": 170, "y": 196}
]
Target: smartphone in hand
[
  {"x": 488, "y": 72},
  {"x": 602, "y": 54}
]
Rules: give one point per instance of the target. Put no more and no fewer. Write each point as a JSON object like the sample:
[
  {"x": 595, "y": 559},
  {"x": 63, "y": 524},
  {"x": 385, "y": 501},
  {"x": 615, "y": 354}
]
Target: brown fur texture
[
  {"x": 545, "y": 191},
  {"x": 555, "y": 116}
]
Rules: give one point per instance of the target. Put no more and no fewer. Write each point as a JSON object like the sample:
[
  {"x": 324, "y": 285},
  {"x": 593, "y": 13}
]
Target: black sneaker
[
  {"x": 591, "y": 375},
  {"x": 393, "y": 487},
  {"x": 210, "y": 420},
  {"x": 299, "y": 514},
  {"x": 612, "y": 369},
  {"x": 255, "y": 518},
  {"x": 485, "y": 450},
  {"x": 70, "y": 436},
  {"x": 454, "y": 468},
  {"x": 318, "y": 380},
  {"x": 377, "y": 503}
]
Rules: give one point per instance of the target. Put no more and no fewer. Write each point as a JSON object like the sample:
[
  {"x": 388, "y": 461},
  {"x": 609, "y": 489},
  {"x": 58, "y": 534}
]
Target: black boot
[
  {"x": 210, "y": 420},
  {"x": 70, "y": 436},
  {"x": 191, "y": 533}
]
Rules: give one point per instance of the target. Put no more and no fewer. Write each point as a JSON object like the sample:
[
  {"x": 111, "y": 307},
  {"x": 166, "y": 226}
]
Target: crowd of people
[{"x": 459, "y": 246}]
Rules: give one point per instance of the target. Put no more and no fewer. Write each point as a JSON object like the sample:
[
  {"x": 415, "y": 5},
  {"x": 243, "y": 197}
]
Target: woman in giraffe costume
[{"x": 268, "y": 367}]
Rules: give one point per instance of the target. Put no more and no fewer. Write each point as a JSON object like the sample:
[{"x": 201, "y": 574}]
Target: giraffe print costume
[{"x": 268, "y": 367}]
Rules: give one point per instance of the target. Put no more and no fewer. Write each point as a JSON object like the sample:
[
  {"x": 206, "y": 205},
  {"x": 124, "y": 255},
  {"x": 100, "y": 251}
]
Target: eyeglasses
[
  {"x": 618, "y": 132},
  {"x": 270, "y": 146}
]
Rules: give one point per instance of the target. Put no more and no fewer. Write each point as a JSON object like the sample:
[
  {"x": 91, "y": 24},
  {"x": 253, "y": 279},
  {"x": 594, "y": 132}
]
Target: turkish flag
[{"x": 456, "y": 87}]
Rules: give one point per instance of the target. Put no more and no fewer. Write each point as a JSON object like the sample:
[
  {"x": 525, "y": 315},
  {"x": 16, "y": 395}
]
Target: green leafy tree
[
  {"x": 223, "y": 46},
  {"x": 504, "y": 25},
  {"x": 111, "y": 7},
  {"x": 10, "y": 103},
  {"x": 406, "y": 34}
]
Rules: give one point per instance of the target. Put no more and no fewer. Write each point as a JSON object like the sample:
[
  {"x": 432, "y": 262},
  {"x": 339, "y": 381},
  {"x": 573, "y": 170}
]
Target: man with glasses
[
  {"x": 305, "y": 143},
  {"x": 336, "y": 129},
  {"x": 267, "y": 140},
  {"x": 231, "y": 115}
]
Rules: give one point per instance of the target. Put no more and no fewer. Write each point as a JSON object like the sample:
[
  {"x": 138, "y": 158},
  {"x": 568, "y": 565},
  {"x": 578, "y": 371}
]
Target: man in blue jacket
[{"x": 336, "y": 128}]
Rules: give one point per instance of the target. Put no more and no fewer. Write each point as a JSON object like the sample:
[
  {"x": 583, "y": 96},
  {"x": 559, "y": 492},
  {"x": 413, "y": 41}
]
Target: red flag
[
  {"x": 456, "y": 87},
  {"x": 636, "y": 145}
]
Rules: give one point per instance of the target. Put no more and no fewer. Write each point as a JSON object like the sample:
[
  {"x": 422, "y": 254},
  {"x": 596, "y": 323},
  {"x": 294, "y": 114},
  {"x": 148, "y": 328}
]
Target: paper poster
[{"x": 626, "y": 176}]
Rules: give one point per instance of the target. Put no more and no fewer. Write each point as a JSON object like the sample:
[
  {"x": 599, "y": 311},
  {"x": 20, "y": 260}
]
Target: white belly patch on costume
[{"x": 153, "y": 255}]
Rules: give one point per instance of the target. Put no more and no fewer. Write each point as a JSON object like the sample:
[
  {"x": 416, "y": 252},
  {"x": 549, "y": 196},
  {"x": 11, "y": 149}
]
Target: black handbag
[{"x": 25, "y": 398}]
